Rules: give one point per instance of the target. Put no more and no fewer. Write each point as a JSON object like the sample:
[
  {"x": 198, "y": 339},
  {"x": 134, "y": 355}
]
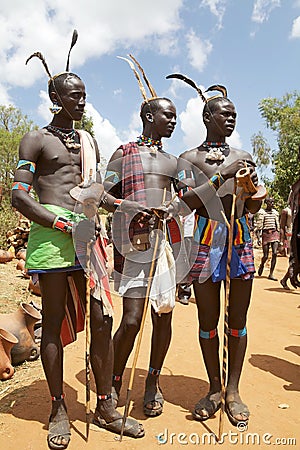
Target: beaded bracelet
[
  {"x": 216, "y": 180},
  {"x": 118, "y": 202},
  {"x": 62, "y": 224}
]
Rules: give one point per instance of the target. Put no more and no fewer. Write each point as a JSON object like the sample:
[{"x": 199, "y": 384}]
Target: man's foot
[
  {"x": 236, "y": 410},
  {"x": 153, "y": 398},
  {"x": 59, "y": 426},
  {"x": 207, "y": 406},
  {"x": 260, "y": 270},
  {"x": 271, "y": 277},
  {"x": 284, "y": 285},
  {"x": 107, "y": 417}
]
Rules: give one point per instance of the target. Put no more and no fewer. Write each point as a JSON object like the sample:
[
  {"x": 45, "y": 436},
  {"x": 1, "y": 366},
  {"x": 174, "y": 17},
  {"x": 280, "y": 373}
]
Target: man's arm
[{"x": 29, "y": 152}]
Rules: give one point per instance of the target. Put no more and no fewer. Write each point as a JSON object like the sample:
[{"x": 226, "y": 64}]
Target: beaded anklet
[
  {"x": 208, "y": 334},
  {"x": 116, "y": 377},
  {"x": 57, "y": 399},
  {"x": 103, "y": 396},
  {"x": 154, "y": 372},
  {"x": 237, "y": 333}
]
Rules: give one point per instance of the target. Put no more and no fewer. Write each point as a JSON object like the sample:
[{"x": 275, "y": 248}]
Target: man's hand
[
  {"x": 232, "y": 169},
  {"x": 139, "y": 212}
]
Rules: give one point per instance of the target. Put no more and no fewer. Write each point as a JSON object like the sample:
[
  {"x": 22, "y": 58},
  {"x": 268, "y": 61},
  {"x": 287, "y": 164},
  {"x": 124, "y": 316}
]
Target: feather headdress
[
  {"x": 131, "y": 63},
  {"x": 41, "y": 57},
  {"x": 215, "y": 87}
]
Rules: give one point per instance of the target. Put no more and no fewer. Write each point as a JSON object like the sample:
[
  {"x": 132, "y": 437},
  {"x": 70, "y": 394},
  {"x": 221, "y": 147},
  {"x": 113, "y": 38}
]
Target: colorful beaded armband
[
  {"x": 20, "y": 186},
  {"x": 216, "y": 180},
  {"x": 26, "y": 165},
  {"x": 62, "y": 224}
]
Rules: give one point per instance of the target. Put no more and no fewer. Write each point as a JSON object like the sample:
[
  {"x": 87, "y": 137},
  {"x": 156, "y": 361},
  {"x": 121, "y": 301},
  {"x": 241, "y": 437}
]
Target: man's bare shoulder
[
  {"x": 35, "y": 135},
  {"x": 195, "y": 156},
  {"x": 32, "y": 144},
  {"x": 241, "y": 154}
]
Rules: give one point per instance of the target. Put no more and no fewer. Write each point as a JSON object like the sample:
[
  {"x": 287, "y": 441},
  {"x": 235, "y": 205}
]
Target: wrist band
[
  {"x": 62, "y": 224},
  {"x": 183, "y": 190},
  {"x": 118, "y": 202},
  {"x": 216, "y": 180}
]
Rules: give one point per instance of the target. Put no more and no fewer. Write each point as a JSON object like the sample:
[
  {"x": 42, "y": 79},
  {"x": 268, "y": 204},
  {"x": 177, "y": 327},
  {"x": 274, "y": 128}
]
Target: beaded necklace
[
  {"x": 68, "y": 138},
  {"x": 216, "y": 150},
  {"x": 154, "y": 145}
]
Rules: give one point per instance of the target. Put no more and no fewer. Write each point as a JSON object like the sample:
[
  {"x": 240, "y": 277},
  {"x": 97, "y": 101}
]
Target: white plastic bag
[{"x": 163, "y": 285}]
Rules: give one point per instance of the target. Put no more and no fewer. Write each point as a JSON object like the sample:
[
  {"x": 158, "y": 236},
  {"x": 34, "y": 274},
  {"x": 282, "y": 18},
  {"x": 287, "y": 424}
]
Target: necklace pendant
[
  {"x": 70, "y": 143},
  {"x": 153, "y": 149}
]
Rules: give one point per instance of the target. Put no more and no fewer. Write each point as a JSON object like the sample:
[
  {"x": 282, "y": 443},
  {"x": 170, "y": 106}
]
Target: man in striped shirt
[{"x": 270, "y": 236}]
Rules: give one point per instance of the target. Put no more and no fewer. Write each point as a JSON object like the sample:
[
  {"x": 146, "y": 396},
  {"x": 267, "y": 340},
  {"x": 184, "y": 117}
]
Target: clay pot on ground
[
  {"x": 21, "y": 324},
  {"x": 5, "y": 256},
  {"x": 7, "y": 341},
  {"x": 21, "y": 254},
  {"x": 34, "y": 288},
  {"x": 21, "y": 266}
]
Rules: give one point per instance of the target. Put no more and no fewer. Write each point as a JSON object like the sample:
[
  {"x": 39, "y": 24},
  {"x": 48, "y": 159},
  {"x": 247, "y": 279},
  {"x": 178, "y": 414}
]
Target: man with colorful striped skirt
[{"x": 206, "y": 175}]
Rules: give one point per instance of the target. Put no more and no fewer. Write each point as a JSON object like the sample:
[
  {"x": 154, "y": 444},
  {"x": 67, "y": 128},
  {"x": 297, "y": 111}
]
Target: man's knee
[{"x": 131, "y": 323}]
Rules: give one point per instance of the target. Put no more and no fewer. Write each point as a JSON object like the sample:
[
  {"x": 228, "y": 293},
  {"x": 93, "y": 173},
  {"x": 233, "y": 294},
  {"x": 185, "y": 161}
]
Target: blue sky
[{"x": 250, "y": 46}]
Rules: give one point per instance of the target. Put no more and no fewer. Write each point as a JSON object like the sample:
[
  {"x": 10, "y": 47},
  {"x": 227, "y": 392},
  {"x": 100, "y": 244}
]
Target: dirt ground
[{"x": 270, "y": 379}]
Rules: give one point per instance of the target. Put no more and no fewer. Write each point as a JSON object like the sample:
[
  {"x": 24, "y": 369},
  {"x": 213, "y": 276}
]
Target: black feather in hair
[
  {"x": 218, "y": 87},
  {"x": 74, "y": 40},
  {"x": 41, "y": 57},
  {"x": 188, "y": 81}
]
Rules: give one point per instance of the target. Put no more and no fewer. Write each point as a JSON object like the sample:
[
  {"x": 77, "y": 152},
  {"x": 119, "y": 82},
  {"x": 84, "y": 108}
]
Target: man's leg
[
  {"x": 160, "y": 342},
  {"x": 207, "y": 297},
  {"x": 240, "y": 293},
  {"x": 263, "y": 259},
  {"x": 53, "y": 288},
  {"x": 101, "y": 350},
  {"x": 274, "y": 247},
  {"x": 284, "y": 280},
  {"x": 123, "y": 342}
]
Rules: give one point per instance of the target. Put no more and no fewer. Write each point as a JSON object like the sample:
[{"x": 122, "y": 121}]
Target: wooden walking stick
[
  {"x": 89, "y": 196},
  {"x": 140, "y": 335},
  {"x": 226, "y": 308},
  {"x": 87, "y": 340}
]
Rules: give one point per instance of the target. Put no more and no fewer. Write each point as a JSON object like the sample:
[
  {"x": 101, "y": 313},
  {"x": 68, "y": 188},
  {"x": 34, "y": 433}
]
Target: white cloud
[
  {"x": 43, "y": 108},
  {"x": 105, "y": 133},
  {"x": 198, "y": 51},
  {"x": 262, "y": 9},
  {"x": 295, "y": 33},
  {"x": 191, "y": 123},
  {"x": 217, "y": 8},
  {"x": 235, "y": 140},
  {"x": 46, "y": 26}
]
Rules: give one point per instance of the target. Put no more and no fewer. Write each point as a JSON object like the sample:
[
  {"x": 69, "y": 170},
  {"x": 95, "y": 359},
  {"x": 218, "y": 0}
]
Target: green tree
[
  {"x": 86, "y": 123},
  {"x": 13, "y": 125},
  {"x": 282, "y": 116}
]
